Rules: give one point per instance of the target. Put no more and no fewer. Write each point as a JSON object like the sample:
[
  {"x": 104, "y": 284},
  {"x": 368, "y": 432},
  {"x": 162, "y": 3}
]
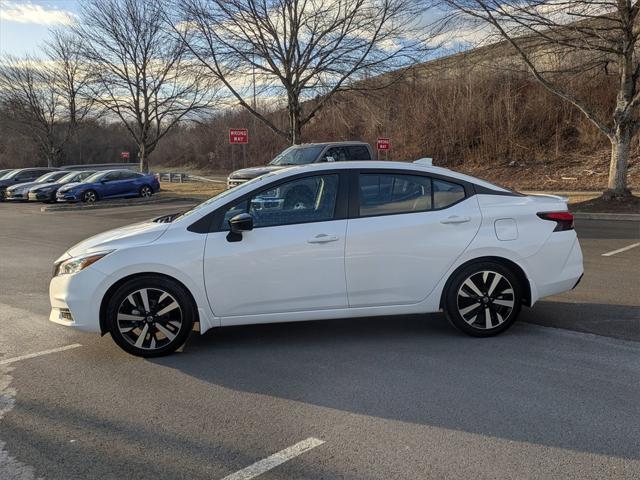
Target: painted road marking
[
  {"x": 7, "y": 361},
  {"x": 274, "y": 460},
  {"x": 620, "y": 250}
]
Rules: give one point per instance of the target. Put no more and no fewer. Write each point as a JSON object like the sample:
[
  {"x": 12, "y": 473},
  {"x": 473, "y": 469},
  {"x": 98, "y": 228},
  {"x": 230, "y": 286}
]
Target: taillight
[{"x": 564, "y": 220}]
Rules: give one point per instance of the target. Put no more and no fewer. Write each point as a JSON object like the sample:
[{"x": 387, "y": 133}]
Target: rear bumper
[{"x": 557, "y": 267}]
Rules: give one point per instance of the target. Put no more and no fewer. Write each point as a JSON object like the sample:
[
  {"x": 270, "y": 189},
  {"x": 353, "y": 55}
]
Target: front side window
[
  {"x": 383, "y": 194},
  {"x": 358, "y": 152},
  {"x": 303, "y": 200}
]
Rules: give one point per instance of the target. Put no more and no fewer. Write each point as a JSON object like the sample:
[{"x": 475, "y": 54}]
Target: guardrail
[{"x": 104, "y": 166}]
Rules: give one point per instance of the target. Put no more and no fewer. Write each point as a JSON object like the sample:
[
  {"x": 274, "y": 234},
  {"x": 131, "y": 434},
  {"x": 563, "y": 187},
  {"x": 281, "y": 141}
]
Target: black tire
[
  {"x": 89, "y": 196},
  {"x": 163, "y": 333},
  {"x": 298, "y": 197},
  {"x": 501, "y": 303},
  {"x": 146, "y": 191}
]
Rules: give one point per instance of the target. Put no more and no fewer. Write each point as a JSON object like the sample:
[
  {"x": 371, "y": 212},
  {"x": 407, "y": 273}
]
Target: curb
[
  {"x": 121, "y": 203},
  {"x": 628, "y": 217}
]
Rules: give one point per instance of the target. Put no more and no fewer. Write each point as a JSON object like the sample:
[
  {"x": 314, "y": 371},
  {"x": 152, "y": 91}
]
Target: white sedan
[{"x": 331, "y": 240}]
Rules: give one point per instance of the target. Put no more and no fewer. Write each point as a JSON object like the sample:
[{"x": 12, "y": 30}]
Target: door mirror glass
[{"x": 242, "y": 222}]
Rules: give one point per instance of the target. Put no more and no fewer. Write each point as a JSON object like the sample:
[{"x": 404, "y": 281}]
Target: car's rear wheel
[
  {"x": 146, "y": 191},
  {"x": 483, "y": 299},
  {"x": 90, "y": 196},
  {"x": 150, "y": 316}
]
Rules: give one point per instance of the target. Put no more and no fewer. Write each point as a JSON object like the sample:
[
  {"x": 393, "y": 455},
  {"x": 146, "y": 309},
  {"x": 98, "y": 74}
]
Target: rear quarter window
[{"x": 446, "y": 193}]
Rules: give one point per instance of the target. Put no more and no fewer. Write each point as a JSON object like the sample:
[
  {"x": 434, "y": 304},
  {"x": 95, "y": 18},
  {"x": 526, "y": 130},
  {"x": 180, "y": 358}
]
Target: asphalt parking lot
[{"x": 407, "y": 397}]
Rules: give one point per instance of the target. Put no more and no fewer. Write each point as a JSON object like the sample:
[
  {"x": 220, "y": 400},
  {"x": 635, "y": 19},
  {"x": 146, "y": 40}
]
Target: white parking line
[
  {"x": 7, "y": 361},
  {"x": 620, "y": 250},
  {"x": 274, "y": 460}
]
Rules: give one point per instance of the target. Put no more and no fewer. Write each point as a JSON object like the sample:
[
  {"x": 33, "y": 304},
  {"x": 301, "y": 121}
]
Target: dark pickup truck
[{"x": 305, "y": 154}]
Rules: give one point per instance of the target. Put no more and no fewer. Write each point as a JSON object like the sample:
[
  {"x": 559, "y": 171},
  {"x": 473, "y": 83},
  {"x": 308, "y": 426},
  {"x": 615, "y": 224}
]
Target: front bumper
[
  {"x": 67, "y": 197},
  {"x": 9, "y": 195},
  {"x": 234, "y": 182},
  {"x": 75, "y": 299},
  {"x": 39, "y": 196}
]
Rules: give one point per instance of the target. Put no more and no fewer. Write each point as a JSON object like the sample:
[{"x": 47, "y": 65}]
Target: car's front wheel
[
  {"x": 483, "y": 299},
  {"x": 90, "y": 196},
  {"x": 150, "y": 316}
]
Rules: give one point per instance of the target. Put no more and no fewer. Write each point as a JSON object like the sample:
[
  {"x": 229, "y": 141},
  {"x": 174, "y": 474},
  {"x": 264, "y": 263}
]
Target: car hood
[
  {"x": 22, "y": 186},
  {"x": 253, "y": 172},
  {"x": 7, "y": 182},
  {"x": 129, "y": 236},
  {"x": 37, "y": 186},
  {"x": 69, "y": 186}
]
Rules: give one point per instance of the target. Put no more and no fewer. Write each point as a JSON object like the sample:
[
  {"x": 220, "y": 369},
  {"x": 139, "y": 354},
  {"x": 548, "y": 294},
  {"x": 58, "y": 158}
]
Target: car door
[
  {"x": 292, "y": 260},
  {"x": 112, "y": 185},
  {"x": 407, "y": 232},
  {"x": 130, "y": 183}
]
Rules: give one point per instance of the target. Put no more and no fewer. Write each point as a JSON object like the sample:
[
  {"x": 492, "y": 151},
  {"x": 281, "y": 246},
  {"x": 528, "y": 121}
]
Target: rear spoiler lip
[{"x": 555, "y": 197}]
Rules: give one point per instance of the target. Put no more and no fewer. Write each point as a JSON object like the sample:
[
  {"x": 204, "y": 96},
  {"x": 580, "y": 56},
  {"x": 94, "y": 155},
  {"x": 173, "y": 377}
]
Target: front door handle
[
  {"x": 323, "y": 238},
  {"x": 455, "y": 219}
]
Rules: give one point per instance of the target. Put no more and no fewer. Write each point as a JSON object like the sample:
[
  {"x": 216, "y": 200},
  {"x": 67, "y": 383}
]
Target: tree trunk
[
  {"x": 618, "y": 168},
  {"x": 295, "y": 128},
  {"x": 142, "y": 158}
]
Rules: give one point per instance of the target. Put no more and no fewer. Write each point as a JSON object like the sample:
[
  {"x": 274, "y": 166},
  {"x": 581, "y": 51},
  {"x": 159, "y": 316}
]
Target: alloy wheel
[
  {"x": 149, "y": 318},
  {"x": 90, "y": 197},
  {"x": 145, "y": 192},
  {"x": 485, "y": 299}
]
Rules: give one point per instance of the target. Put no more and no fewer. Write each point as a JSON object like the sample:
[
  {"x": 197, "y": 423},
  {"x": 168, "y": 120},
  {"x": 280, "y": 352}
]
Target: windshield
[
  {"x": 6, "y": 174},
  {"x": 95, "y": 177},
  {"x": 49, "y": 177},
  {"x": 223, "y": 194},
  {"x": 11, "y": 174},
  {"x": 75, "y": 177},
  {"x": 297, "y": 155}
]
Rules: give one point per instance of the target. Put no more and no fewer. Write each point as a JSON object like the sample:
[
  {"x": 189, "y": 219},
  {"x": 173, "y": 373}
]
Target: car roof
[{"x": 389, "y": 165}]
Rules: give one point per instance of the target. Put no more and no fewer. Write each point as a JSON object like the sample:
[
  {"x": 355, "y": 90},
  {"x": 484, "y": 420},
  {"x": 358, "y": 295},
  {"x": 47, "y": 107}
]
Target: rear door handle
[
  {"x": 323, "y": 238},
  {"x": 455, "y": 219}
]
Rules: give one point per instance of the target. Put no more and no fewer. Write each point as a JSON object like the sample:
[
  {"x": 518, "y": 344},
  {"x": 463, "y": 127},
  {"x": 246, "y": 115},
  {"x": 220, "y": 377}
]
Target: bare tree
[
  {"x": 303, "y": 51},
  {"x": 46, "y": 96},
  {"x": 141, "y": 72},
  {"x": 561, "y": 40}
]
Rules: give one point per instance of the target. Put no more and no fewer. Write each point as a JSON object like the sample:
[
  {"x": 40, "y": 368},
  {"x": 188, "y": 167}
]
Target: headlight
[{"x": 75, "y": 264}]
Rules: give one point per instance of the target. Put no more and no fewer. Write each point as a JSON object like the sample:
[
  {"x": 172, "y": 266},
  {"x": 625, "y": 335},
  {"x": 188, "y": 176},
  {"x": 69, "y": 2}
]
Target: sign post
[
  {"x": 239, "y": 136},
  {"x": 383, "y": 144}
]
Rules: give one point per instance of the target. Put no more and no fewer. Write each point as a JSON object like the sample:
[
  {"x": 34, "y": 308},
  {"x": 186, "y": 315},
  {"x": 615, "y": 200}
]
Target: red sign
[
  {"x": 124, "y": 154},
  {"x": 238, "y": 135},
  {"x": 383, "y": 144}
]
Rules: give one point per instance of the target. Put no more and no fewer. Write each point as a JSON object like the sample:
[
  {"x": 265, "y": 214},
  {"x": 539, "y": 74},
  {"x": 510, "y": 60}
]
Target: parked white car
[{"x": 360, "y": 239}]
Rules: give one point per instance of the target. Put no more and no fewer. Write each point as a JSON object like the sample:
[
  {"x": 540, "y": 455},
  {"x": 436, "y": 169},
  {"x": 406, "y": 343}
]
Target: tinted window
[
  {"x": 308, "y": 199},
  {"x": 128, "y": 175},
  {"x": 446, "y": 193},
  {"x": 339, "y": 154},
  {"x": 297, "y": 156},
  {"x": 358, "y": 152},
  {"x": 382, "y": 194},
  {"x": 112, "y": 176},
  {"x": 29, "y": 175}
]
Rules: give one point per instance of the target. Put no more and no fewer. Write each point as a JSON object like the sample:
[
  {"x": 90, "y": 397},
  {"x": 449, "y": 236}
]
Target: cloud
[{"x": 27, "y": 12}]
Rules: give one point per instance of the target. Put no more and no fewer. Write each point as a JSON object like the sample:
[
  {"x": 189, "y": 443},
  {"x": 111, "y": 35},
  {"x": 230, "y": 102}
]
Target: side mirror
[{"x": 242, "y": 222}]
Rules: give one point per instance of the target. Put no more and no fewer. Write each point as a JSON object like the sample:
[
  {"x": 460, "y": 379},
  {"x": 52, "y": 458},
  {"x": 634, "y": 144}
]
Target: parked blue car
[{"x": 109, "y": 184}]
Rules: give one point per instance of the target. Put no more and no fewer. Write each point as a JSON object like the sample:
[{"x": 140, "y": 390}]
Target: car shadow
[{"x": 545, "y": 386}]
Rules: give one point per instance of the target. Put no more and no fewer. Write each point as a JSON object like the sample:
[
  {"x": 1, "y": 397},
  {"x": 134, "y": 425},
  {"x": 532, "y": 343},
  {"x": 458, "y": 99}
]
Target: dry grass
[{"x": 200, "y": 190}]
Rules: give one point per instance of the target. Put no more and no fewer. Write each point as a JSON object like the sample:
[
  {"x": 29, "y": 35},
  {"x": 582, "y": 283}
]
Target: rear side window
[
  {"x": 358, "y": 152},
  {"x": 128, "y": 175},
  {"x": 446, "y": 193},
  {"x": 383, "y": 194}
]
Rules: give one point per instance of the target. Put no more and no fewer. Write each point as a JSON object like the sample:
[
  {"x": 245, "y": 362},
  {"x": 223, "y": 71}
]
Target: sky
[{"x": 25, "y": 24}]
